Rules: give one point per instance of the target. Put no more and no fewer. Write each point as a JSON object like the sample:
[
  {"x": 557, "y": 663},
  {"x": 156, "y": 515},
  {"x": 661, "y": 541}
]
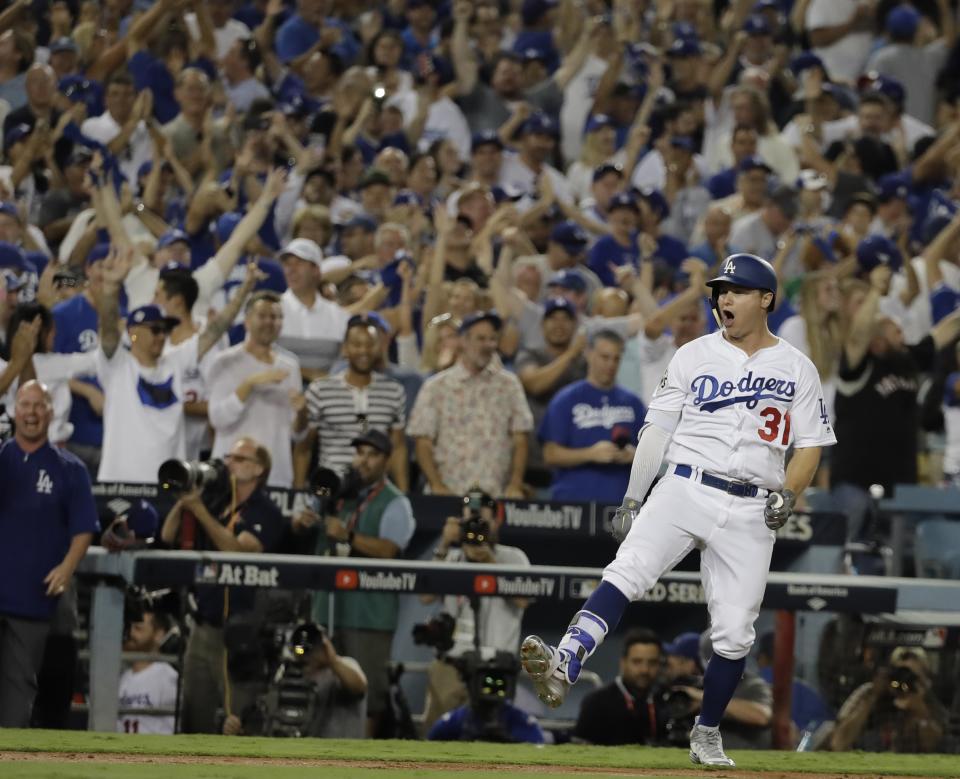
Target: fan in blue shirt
[
  {"x": 590, "y": 427},
  {"x": 47, "y": 512},
  {"x": 620, "y": 247}
]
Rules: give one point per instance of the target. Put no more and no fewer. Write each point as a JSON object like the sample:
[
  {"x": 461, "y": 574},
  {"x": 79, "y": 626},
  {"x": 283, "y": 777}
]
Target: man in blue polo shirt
[
  {"x": 590, "y": 428},
  {"x": 47, "y": 521}
]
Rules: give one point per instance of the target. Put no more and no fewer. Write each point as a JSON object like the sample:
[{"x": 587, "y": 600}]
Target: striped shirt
[{"x": 340, "y": 412}]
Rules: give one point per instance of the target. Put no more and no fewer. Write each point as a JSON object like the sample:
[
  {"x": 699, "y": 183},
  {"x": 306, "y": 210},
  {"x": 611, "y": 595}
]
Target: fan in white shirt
[
  {"x": 122, "y": 127},
  {"x": 144, "y": 387}
]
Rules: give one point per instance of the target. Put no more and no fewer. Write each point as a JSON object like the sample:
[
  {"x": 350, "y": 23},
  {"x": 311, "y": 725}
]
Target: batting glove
[
  {"x": 779, "y": 508},
  {"x": 623, "y": 518}
]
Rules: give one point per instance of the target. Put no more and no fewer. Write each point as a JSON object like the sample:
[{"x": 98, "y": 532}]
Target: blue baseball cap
[
  {"x": 902, "y": 21},
  {"x": 753, "y": 162},
  {"x": 804, "y": 61},
  {"x": 532, "y": 10},
  {"x": 12, "y": 256},
  {"x": 360, "y": 220},
  {"x": 10, "y": 209},
  {"x": 407, "y": 197},
  {"x": 150, "y": 314},
  {"x": 685, "y": 30},
  {"x": 226, "y": 224},
  {"x": 534, "y": 54},
  {"x": 63, "y": 43},
  {"x": 890, "y": 88},
  {"x": 370, "y": 319},
  {"x": 16, "y": 133},
  {"x": 684, "y": 47},
  {"x": 767, "y": 5},
  {"x": 142, "y": 518},
  {"x": 623, "y": 200},
  {"x": 476, "y": 317},
  {"x": 98, "y": 252},
  {"x": 559, "y": 304},
  {"x": 598, "y": 122},
  {"x": 485, "y": 138},
  {"x": 607, "y": 167},
  {"x": 171, "y": 237},
  {"x": 877, "y": 250},
  {"x": 756, "y": 26},
  {"x": 571, "y": 236},
  {"x": 656, "y": 201},
  {"x": 568, "y": 279},
  {"x": 11, "y": 280},
  {"x": 685, "y": 645},
  {"x": 892, "y": 186},
  {"x": 541, "y": 124}
]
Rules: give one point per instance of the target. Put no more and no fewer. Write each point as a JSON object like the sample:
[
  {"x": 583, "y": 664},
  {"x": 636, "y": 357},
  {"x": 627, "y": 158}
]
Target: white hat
[
  {"x": 812, "y": 181},
  {"x": 304, "y": 249},
  {"x": 334, "y": 263}
]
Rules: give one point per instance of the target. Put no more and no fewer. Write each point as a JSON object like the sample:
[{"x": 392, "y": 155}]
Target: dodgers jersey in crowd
[
  {"x": 738, "y": 413},
  {"x": 154, "y": 687}
]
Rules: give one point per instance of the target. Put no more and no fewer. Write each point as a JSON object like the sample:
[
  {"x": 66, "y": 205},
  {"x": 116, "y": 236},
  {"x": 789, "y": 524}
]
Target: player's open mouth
[{"x": 727, "y": 316}]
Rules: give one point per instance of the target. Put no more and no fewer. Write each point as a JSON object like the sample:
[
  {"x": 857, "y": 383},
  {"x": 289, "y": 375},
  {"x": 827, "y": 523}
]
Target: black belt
[{"x": 738, "y": 488}]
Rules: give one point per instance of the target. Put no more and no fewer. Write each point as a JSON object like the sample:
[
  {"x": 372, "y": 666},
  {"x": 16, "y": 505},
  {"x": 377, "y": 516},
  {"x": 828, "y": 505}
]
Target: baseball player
[{"x": 725, "y": 412}]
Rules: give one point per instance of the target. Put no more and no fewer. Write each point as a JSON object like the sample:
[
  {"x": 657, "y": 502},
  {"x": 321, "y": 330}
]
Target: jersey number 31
[{"x": 771, "y": 429}]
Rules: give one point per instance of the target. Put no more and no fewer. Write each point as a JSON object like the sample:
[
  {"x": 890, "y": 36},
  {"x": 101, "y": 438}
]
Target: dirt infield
[{"x": 403, "y": 765}]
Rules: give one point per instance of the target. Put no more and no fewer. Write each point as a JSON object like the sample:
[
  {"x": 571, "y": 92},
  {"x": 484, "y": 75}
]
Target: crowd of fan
[{"x": 319, "y": 233}]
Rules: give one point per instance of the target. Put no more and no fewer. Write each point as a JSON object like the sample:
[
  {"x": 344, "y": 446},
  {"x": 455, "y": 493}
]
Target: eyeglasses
[{"x": 240, "y": 458}]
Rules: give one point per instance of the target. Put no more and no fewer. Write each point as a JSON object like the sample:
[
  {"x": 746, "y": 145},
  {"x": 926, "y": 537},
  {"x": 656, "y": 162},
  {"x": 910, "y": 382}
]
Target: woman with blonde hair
[
  {"x": 441, "y": 344},
  {"x": 313, "y": 222},
  {"x": 599, "y": 146}
]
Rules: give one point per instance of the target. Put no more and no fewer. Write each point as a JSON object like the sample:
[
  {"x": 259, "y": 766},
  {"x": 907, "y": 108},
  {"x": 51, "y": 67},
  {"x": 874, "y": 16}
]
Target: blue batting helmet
[{"x": 746, "y": 270}]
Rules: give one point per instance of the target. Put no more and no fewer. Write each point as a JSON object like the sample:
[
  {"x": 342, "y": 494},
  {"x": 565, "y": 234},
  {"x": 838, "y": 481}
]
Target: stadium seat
[{"x": 937, "y": 548}]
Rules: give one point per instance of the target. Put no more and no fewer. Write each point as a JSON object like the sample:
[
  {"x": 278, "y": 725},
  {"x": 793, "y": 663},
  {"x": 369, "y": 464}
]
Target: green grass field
[{"x": 80, "y": 754}]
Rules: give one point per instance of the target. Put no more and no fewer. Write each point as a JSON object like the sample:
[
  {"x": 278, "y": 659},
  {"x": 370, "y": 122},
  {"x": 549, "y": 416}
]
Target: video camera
[
  {"x": 490, "y": 684},
  {"x": 212, "y": 477},
  {"x": 674, "y": 710},
  {"x": 289, "y": 707},
  {"x": 436, "y": 632}
]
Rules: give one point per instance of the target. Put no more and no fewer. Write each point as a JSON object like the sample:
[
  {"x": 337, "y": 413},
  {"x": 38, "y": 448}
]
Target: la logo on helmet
[{"x": 729, "y": 267}]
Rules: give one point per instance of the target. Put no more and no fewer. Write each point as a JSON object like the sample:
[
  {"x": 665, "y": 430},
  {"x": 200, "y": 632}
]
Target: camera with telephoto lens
[
  {"x": 903, "y": 681},
  {"x": 212, "y": 477},
  {"x": 436, "y": 632},
  {"x": 475, "y": 530},
  {"x": 674, "y": 709},
  {"x": 290, "y": 705},
  {"x": 327, "y": 487}
]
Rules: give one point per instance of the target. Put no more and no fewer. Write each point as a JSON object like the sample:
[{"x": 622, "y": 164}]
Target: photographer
[
  {"x": 241, "y": 518},
  {"x": 316, "y": 693},
  {"x": 472, "y": 538},
  {"x": 896, "y": 712},
  {"x": 625, "y": 711},
  {"x": 374, "y": 520}
]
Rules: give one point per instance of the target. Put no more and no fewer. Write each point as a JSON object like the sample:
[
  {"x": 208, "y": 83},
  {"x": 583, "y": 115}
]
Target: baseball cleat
[
  {"x": 544, "y": 665},
  {"x": 706, "y": 747}
]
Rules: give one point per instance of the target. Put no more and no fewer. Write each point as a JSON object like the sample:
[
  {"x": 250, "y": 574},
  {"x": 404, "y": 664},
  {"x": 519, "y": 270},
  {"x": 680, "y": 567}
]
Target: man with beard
[
  {"x": 375, "y": 520},
  {"x": 147, "y": 684},
  {"x": 255, "y": 390},
  {"x": 521, "y": 171},
  {"x": 623, "y": 711},
  {"x": 348, "y": 404},
  {"x": 47, "y": 518}
]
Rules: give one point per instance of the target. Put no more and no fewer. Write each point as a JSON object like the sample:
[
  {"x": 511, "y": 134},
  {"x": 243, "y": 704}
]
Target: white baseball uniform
[
  {"x": 737, "y": 416},
  {"x": 155, "y": 687}
]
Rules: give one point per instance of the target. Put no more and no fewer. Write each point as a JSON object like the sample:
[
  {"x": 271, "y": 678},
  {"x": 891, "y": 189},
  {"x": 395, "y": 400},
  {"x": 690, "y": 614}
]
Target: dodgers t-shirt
[
  {"x": 76, "y": 331},
  {"x": 579, "y": 416},
  {"x": 45, "y": 500}
]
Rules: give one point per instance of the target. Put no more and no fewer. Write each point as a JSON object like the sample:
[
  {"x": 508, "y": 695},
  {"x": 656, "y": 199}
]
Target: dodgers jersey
[{"x": 739, "y": 413}]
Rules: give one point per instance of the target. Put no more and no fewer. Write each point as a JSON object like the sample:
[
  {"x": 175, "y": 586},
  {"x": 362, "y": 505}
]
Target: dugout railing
[{"x": 937, "y": 601}]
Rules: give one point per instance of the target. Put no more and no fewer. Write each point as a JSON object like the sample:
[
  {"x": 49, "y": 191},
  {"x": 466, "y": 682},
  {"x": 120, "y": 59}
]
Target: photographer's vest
[{"x": 362, "y": 610}]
